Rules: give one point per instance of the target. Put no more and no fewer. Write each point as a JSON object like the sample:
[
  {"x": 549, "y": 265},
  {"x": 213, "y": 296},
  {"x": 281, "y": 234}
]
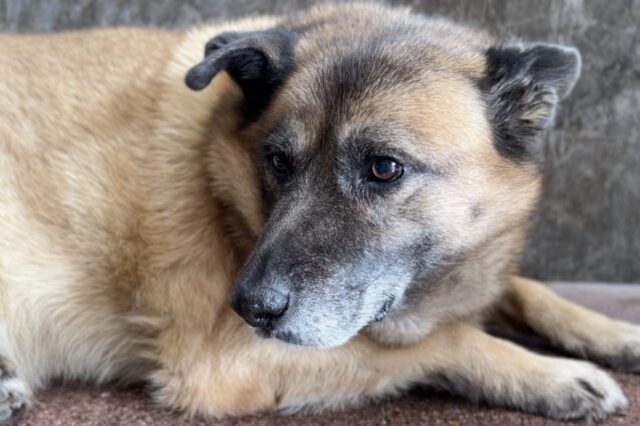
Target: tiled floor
[{"x": 76, "y": 405}]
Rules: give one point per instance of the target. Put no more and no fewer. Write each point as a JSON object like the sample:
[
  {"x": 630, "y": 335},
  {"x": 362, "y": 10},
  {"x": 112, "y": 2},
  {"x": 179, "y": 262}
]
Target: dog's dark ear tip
[
  {"x": 195, "y": 80},
  {"x": 574, "y": 64},
  {"x": 560, "y": 65}
]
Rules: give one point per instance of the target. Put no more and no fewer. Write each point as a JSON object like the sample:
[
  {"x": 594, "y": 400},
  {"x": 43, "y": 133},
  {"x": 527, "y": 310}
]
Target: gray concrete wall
[{"x": 588, "y": 226}]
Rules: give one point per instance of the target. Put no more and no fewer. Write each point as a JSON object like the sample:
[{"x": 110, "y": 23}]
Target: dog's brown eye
[{"x": 385, "y": 169}]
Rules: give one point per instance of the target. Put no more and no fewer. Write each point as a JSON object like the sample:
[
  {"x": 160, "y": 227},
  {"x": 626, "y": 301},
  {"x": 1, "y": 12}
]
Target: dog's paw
[
  {"x": 579, "y": 390},
  {"x": 623, "y": 353},
  {"x": 14, "y": 396}
]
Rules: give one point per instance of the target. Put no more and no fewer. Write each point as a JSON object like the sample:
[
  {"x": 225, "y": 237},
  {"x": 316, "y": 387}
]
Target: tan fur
[
  {"x": 123, "y": 225},
  {"x": 568, "y": 326}
]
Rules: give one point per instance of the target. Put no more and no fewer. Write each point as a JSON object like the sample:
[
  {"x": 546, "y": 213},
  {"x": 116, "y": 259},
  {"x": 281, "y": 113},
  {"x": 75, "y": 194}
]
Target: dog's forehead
[
  {"x": 340, "y": 91},
  {"x": 430, "y": 105}
]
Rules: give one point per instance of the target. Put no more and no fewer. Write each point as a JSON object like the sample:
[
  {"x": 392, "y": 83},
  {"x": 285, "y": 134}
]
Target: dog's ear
[
  {"x": 257, "y": 61},
  {"x": 523, "y": 85}
]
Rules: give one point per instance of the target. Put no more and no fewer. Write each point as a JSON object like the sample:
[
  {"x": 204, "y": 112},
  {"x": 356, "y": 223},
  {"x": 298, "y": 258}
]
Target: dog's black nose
[{"x": 260, "y": 307}]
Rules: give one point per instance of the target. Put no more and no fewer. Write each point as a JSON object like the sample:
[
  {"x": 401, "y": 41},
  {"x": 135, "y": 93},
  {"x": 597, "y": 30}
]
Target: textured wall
[{"x": 588, "y": 227}]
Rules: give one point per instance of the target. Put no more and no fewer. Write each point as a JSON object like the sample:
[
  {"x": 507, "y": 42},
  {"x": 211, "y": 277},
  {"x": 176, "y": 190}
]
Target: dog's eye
[
  {"x": 385, "y": 170},
  {"x": 279, "y": 164}
]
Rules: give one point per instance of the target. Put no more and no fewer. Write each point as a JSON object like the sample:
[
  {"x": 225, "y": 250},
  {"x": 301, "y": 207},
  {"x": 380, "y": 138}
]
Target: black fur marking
[
  {"x": 259, "y": 62},
  {"x": 589, "y": 388},
  {"x": 522, "y": 88}
]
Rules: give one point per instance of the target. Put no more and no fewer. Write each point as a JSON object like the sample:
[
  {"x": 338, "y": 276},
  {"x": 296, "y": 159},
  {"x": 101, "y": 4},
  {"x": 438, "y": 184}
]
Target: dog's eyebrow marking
[
  {"x": 272, "y": 145},
  {"x": 286, "y": 135},
  {"x": 279, "y": 139}
]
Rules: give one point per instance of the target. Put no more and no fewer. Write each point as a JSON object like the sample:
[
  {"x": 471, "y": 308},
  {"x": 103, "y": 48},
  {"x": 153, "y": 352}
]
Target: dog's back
[
  {"x": 103, "y": 192},
  {"x": 75, "y": 114}
]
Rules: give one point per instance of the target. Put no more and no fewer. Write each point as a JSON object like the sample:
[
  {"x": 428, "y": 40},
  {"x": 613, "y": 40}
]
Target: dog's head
[{"x": 390, "y": 146}]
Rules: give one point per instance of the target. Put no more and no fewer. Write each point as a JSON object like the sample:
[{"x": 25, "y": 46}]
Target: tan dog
[{"x": 363, "y": 175}]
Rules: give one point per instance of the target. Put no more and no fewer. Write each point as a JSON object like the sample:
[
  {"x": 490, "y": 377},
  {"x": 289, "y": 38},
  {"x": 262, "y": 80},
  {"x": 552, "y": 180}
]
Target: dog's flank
[{"x": 364, "y": 175}]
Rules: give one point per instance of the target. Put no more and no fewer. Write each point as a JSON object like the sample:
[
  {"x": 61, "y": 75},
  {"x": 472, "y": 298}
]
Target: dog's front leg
[
  {"x": 262, "y": 375},
  {"x": 244, "y": 374},
  {"x": 468, "y": 362},
  {"x": 575, "y": 329}
]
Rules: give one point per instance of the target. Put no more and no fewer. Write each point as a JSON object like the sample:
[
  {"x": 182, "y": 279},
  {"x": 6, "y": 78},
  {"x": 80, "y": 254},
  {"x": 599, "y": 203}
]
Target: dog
[{"x": 327, "y": 208}]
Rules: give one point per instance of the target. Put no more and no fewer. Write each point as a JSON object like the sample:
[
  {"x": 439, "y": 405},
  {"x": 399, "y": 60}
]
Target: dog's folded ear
[
  {"x": 523, "y": 85},
  {"x": 257, "y": 61}
]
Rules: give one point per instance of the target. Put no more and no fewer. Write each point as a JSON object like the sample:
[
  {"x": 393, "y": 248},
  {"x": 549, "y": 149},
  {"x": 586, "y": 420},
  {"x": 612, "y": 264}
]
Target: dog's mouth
[
  {"x": 294, "y": 339},
  {"x": 283, "y": 336},
  {"x": 384, "y": 309}
]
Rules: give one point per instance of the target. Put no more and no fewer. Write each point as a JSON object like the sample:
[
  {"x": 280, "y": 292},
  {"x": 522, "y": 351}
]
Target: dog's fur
[{"x": 130, "y": 204}]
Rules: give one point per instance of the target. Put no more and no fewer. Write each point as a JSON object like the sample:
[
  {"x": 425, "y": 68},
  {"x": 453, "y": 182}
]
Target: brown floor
[{"x": 78, "y": 405}]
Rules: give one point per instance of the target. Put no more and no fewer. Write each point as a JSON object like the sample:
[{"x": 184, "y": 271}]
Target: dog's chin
[
  {"x": 283, "y": 336},
  {"x": 292, "y": 338},
  {"x": 324, "y": 342}
]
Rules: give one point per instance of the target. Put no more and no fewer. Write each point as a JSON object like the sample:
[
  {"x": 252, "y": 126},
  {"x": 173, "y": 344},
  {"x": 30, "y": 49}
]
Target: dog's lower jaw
[
  {"x": 285, "y": 337},
  {"x": 289, "y": 337}
]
